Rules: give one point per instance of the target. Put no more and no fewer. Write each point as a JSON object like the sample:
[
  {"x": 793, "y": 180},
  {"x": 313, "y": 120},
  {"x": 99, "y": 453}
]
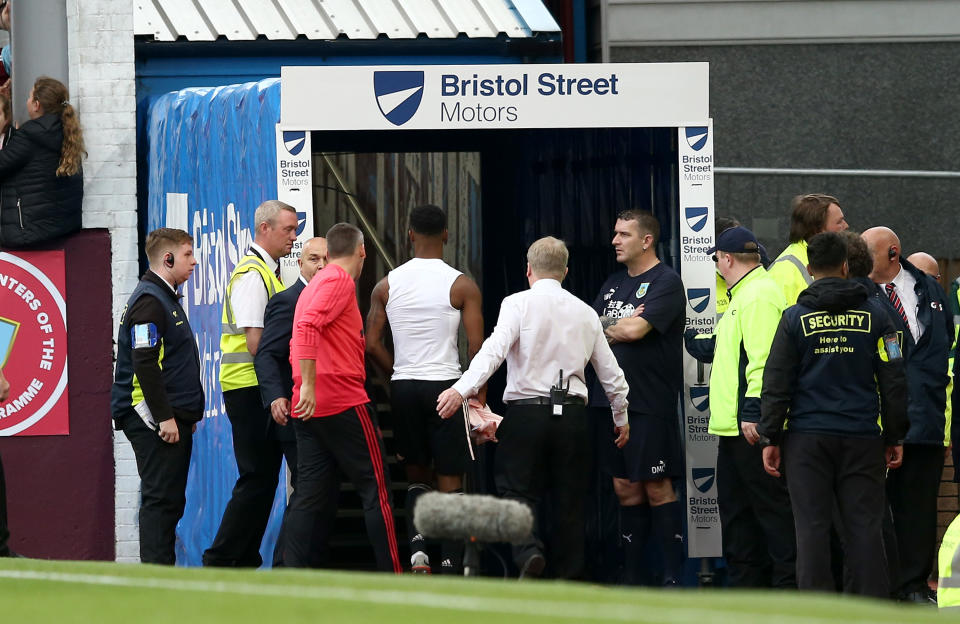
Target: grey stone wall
[{"x": 836, "y": 106}]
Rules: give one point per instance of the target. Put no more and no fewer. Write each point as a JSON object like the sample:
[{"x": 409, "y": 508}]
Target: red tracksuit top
[{"x": 328, "y": 329}]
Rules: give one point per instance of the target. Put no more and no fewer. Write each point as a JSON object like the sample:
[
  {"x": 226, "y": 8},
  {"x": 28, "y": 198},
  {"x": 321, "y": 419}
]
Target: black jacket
[
  {"x": 828, "y": 360},
  {"x": 272, "y": 361},
  {"x": 927, "y": 359},
  {"x": 162, "y": 366},
  {"x": 36, "y": 205}
]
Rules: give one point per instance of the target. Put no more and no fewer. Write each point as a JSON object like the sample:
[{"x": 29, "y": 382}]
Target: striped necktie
[{"x": 897, "y": 304}]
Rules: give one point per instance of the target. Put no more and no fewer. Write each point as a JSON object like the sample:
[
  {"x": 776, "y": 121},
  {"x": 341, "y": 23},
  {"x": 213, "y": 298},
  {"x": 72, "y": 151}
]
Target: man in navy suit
[{"x": 272, "y": 361}]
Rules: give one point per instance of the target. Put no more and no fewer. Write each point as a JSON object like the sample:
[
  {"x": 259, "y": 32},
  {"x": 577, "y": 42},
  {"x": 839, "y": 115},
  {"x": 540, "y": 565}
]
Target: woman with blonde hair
[{"x": 40, "y": 173}]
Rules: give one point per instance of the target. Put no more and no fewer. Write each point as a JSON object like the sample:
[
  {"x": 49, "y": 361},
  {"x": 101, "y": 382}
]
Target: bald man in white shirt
[{"x": 544, "y": 444}]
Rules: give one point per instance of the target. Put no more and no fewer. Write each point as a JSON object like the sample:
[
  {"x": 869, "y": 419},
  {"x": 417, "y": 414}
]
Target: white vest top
[{"x": 423, "y": 323}]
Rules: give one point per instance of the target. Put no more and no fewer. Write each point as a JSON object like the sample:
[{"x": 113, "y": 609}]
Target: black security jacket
[
  {"x": 36, "y": 204},
  {"x": 829, "y": 371},
  {"x": 927, "y": 359}
]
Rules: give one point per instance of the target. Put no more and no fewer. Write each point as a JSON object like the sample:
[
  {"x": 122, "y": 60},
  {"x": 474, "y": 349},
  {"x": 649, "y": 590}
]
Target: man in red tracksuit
[{"x": 333, "y": 422}]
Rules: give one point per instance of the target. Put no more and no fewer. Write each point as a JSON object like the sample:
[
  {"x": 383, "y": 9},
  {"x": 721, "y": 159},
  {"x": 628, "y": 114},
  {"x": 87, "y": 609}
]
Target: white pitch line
[{"x": 456, "y": 602}]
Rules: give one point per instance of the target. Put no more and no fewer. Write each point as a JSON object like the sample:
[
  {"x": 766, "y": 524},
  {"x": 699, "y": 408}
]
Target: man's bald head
[
  {"x": 926, "y": 263},
  {"x": 313, "y": 257},
  {"x": 884, "y": 245}
]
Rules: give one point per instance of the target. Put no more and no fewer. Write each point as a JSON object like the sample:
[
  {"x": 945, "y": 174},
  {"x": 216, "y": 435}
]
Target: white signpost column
[
  {"x": 695, "y": 169},
  {"x": 295, "y": 187}
]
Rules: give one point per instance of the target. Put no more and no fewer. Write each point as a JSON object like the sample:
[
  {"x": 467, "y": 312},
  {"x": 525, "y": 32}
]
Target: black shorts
[
  {"x": 423, "y": 438},
  {"x": 652, "y": 452}
]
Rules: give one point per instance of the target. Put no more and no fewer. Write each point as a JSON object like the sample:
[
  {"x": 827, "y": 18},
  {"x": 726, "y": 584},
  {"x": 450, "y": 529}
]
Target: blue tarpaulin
[{"x": 212, "y": 160}]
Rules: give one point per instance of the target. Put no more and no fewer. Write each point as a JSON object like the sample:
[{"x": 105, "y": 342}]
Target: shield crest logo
[
  {"x": 294, "y": 141},
  {"x": 643, "y": 290},
  {"x": 703, "y": 478},
  {"x": 700, "y": 397},
  {"x": 301, "y": 222},
  {"x": 698, "y": 298},
  {"x": 697, "y": 137},
  {"x": 696, "y": 217},
  {"x": 8, "y": 333},
  {"x": 398, "y": 94}
]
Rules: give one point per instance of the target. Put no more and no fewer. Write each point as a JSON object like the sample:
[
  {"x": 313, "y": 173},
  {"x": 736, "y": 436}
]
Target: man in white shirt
[
  {"x": 255, "y": 279},
  {"x": 424, "y": 301},
  {"x": 918, "y": 305},
  {"x": 545, "y": 333}
]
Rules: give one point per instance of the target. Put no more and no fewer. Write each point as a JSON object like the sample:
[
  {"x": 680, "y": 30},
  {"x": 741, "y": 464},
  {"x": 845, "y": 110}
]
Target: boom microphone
[{"x": 473, "y": 517}]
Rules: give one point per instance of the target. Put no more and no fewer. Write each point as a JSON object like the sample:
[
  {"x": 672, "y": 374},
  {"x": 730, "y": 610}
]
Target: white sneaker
[{"x": 420, "y": 563}]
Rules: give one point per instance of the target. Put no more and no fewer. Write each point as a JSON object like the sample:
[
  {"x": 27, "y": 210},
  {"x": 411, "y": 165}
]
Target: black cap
[{"x": 736, "y": 240}]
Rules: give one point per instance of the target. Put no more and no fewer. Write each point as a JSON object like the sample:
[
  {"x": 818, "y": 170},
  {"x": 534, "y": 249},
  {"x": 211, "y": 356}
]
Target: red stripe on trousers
[{"x": 373, "y": 445}]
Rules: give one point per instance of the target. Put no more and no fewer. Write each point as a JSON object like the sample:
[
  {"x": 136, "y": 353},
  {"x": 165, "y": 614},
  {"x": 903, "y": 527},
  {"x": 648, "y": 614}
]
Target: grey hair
[
  {"x": 548, "y": 257},
  {"x": 267, "y": 212}
]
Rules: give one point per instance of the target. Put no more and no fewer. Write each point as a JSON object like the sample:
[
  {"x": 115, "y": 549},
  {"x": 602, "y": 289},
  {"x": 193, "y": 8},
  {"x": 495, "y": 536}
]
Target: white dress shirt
[
  {"x": 540, "y": 332},
  {"x": 249, "y": 294},
  {"x": 905, "y": 285}
]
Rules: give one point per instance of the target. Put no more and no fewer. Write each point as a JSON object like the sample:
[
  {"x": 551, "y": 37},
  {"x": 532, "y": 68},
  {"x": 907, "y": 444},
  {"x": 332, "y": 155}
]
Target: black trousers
[
  {"x": 259, "y": 457},
  {"x": 824, "y": 471},
  {"x": 351, "y": 442},
  {"x": 759, "y": 541},
  {"x": 912, "y": 491},
  {"x": 4, "y": 525},
  {"x": 163, "y": 469},
  {"x": 540, "y": 455}
]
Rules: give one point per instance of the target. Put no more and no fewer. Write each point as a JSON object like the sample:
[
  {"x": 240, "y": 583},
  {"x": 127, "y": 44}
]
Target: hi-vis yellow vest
[
  {"x": 236, "y": 361},
  {"x": 948, "y": 565}
]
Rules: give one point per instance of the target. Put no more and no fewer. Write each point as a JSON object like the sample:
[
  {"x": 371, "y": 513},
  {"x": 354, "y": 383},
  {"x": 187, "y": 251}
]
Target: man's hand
[
  {"x": 623, "y": 434},
  {"x": 308, "y": 403},
  {"x": 749, "y": 431},
  {"x": 771, "y": 460},
  {"x": 169, "y": 432},
  {"x": 280, "y": 410},
  {"x": 449, "y": 402},
  {"x": 894, "y": 456}
]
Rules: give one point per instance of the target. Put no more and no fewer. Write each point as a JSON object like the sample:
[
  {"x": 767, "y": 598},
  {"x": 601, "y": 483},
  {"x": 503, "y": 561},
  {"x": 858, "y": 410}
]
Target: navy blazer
[{"x": 272, "y": 361}]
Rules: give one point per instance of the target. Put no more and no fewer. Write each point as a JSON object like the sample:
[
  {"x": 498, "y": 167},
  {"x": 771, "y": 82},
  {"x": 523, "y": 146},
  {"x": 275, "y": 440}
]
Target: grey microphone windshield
[{"x": 473, "y": 517}]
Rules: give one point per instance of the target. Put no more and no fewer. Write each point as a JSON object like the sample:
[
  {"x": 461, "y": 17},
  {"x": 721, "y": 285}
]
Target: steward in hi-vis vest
[
  {"x": 254, "y": 281},
  {"x": 157, "y": 397}
]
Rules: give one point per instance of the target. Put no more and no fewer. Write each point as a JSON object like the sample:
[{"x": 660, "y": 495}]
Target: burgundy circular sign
[{"x": 33, "y": 343}]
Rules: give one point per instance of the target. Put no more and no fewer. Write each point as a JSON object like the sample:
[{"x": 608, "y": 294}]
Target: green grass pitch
[{"x": 41, "y": 592}]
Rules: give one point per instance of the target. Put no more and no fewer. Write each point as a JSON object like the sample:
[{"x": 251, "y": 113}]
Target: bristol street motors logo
[
  {"x": 294, "y": 140},
  {"x": 398, "y": 94},
  {"x": 696, "y": 217},
  {"x": 33, "y": 343},
  {"x": 699, "y": 298},
  {"x": 703, "y": 478},
  {"x": 697, "y": 137},
  {"x": 700, "y": 397}
]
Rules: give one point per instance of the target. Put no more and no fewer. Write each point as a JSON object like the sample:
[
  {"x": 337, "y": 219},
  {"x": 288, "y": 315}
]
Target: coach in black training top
[{"x": 834, "y": 365}]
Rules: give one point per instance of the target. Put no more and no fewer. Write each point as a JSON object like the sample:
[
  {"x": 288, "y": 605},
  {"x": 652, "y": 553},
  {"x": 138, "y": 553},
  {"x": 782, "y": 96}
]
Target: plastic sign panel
[
  {"x": 33, "y": 343},
  {"x": 695, "y": 168},
  {"x": 295, "y": 187},
  {"x": 438, "y": 97}
]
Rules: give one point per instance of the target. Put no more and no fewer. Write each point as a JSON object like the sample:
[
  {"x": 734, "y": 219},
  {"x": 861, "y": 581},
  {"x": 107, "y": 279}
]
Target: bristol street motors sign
[{"x": 33, "y": 343}]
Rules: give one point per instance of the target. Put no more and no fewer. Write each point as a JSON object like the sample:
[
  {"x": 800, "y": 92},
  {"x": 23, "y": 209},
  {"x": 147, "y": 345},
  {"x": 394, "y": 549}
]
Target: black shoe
[
  {"x": 923, "y": 596},
  {"x": 533, "y": 567}
]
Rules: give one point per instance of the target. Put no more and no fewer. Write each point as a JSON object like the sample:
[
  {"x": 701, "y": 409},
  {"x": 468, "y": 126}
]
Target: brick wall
[{"x": 102, "y": 88}]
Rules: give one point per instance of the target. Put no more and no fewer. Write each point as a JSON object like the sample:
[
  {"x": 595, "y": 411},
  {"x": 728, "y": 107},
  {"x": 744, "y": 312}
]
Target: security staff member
[
  {"x": 810, "y": 215},
  {"x": 835, "y": 363},
  {"x": 157, "y": 398},
  {"x": 272, "y": 365},
  {"x": 334, "y": 425},
  {"x": 642, "y": 310},
  {"x": 4, "y": 531},
  {"x": 920, "y": 304},
  {"x": 547, "y": 337},
  {"x": 425, "y": 300},
  {"x": 948, "y": 587},
  {"x": 758, "y": 533},
  {"x": 254, "y": 280}
]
